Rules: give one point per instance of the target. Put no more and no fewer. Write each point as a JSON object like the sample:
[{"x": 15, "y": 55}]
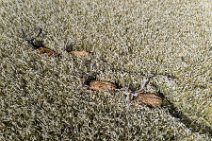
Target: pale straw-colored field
[{"x": 41, "y": 97}]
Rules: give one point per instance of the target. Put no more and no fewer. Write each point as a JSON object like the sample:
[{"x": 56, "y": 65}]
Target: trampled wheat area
[{"x": 43, "y": 93}]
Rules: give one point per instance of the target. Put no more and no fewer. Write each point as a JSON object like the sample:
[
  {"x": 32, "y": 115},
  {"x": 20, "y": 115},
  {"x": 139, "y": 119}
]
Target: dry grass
[{"x": 41, "y": 98}]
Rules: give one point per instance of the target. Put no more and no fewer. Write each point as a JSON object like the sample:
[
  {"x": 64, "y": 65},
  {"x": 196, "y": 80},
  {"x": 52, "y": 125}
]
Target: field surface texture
[{"x": 41, "y": 97}]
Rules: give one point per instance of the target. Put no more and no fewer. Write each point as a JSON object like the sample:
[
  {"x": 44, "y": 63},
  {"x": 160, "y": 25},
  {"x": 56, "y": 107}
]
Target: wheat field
[{"x": 41, "y": 97}]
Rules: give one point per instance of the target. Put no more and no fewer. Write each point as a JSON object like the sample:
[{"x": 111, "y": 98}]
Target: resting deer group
[{"x": 139, "y": 97}]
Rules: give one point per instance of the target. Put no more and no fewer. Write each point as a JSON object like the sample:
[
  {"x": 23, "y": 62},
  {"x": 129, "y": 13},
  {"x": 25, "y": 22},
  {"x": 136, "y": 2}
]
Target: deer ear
[
  {"x": 23, "y": 34},
  {"x": 126, "y": 93},
  {"x": 128, "y": 96},
  {"x": 40, "y": 31},
  {"x": 82, "y": 81},
  {"x": 68, "y": 47},
  {"x": 93, "y": 65},
  {"x": 135, "y": 94}
]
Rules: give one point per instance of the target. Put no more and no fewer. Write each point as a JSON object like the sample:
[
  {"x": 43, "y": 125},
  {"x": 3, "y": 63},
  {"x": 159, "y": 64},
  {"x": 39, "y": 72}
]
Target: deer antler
[
  {"x": 128, "y": 95},
  {"x": 24, "y": 36},
  {"x": 68, "y": 46},
  {"x": 39, "y": 33},
  {"x": 143, "y": 85},
  {"x": 31, "y": 41}
]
